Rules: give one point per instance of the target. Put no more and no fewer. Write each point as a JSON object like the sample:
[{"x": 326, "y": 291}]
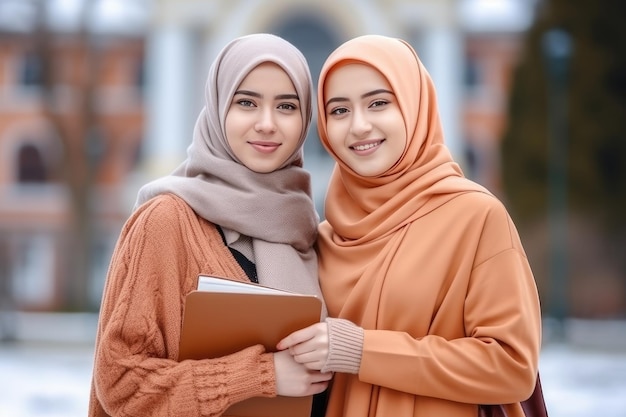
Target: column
[
  {"x": 443, "y": 57},
  {"x": 169, "y": 101}
]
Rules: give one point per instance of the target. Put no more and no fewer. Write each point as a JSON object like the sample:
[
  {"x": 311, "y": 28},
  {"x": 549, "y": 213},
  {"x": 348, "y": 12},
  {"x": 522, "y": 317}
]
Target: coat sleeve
[
  {"x": 135, "y": 367},
  {"x": 494, "y": 358}
]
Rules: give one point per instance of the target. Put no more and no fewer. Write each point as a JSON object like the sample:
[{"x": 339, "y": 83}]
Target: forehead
[
  {"x": 354, "y": 78},
  {"x": 267, "y": 75}
]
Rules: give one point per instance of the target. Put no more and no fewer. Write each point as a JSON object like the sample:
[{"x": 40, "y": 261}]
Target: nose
[
  {"x": 266, "y": 122},
  {"x": 360, "y": 125}
]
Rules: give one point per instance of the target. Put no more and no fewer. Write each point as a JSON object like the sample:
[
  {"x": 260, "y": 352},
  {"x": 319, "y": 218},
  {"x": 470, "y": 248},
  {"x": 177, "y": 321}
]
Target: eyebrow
[
  {"x": 365, "y": 95},
  {"x": 278, "y": 97}
]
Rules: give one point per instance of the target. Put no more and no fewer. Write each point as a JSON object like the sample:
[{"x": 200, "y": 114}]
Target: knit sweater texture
[{"x": 162, "y": 249}]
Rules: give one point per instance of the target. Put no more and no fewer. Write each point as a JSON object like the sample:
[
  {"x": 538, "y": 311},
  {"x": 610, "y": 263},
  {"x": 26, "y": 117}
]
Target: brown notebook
[{"x": 222, "y": 319}]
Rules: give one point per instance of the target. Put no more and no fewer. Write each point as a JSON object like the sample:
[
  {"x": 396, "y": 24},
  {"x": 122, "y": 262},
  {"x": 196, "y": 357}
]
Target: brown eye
[
  {"x": 287, "y": 106},
  {"x": 245, "y": 103},
  {"x": 338, "y": 111},
  {"x": 379, "y": 103}
]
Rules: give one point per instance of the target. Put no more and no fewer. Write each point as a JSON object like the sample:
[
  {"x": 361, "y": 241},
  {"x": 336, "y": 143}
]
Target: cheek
[
  {"x": 296, "y": 128},
  {"x": 230, "y": 125},
  {"x": 291, "y": 129},
  {"x": 335, "y": 134},
  {"x": 400, "y": 133}
]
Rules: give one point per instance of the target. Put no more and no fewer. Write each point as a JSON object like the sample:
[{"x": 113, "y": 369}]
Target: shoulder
[
  {"x": 480, "y": 200},
  {"x": 164, "y": 204},
  {"x": 164, "y": 208},
  {"x": 481, "y": 203},
  {"x": 488, "y": 216},
  {"x": 164, "y": 214}
]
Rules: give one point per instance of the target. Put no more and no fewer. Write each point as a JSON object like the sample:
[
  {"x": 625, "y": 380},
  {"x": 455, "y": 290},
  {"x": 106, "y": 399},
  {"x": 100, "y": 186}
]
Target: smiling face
[
  {"x": 364, "y": 123},
  {"x": 263, "y": 123}
]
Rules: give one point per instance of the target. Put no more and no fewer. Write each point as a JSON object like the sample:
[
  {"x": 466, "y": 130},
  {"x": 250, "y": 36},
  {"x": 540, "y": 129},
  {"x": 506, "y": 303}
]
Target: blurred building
[
  {"x": 469, "y": 47},
  {"x": 45, "y": 86}
]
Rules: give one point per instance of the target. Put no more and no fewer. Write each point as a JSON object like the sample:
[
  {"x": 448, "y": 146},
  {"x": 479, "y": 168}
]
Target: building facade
[
  {"x": 42, "y": 122},
  {"x": 149, "y": 91}
]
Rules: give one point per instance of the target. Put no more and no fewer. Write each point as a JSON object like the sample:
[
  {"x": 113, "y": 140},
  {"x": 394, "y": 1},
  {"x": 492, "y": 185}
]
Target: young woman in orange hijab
[{"x": 435, "y": 308}]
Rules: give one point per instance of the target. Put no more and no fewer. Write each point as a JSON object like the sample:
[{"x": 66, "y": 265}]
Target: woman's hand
[
  {"x": 295, "y": 380},
  {"x": 308, "y": 346}
]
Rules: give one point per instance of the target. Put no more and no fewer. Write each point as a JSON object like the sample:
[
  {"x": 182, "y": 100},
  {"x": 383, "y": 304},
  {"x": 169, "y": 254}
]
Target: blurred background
[{"x": 98, "y": 97}]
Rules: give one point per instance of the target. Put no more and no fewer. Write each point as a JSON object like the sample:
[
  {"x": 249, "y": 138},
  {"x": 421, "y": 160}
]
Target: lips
[
  {"x": 264, "y": 147},
  {"x": 366, "y": 146}
]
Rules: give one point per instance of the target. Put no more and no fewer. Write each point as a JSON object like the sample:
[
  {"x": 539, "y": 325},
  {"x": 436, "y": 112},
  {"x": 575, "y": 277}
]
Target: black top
[{"x": 246, "y": 264}]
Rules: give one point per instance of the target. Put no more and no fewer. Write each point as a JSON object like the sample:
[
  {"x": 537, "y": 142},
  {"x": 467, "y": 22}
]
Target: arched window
[{"x": 30, "y": 167}]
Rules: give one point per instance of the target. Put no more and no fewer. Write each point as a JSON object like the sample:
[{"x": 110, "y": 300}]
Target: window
[
  {"x": 31, "y": 74},
  {"x": 472, "y": 73},
  {"x": 140, "y": 75},
  {"x": 30, "y": 167}
]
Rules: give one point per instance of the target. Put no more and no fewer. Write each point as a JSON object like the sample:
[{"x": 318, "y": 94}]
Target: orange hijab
[
  {"x": 366, "y": 216},
  {"x": 365, "y": 208},
  {"x": 362, "y": 213}
]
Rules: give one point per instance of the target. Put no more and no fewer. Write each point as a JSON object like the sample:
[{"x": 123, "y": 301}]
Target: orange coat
[
  {"x": 162, "y": 249},
  {"x": 454, "y": 323}
]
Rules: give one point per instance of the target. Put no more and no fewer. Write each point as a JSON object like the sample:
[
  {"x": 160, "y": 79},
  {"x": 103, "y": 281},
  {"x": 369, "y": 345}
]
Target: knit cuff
[
  {"x": 234, "y": 378},
  {"x": 345, "y": 346}
]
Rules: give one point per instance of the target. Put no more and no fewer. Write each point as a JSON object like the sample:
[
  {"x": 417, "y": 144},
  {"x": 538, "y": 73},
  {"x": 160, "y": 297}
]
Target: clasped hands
[{"x": 300, "y": 358}]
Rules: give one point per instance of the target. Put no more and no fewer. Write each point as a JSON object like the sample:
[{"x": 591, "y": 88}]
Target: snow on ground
[
  {"x": 44, "y": 380},
  {"x": 52, "y": 380},
  {"x": 583, "y": 383}
]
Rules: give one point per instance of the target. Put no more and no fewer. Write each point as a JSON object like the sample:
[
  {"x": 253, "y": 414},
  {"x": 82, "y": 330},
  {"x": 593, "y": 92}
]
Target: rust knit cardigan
[{"x": 163, "y": 247}]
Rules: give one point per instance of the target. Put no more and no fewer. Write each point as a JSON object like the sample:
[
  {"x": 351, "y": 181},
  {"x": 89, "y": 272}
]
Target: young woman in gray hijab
[{"x": 239, "y": 206}]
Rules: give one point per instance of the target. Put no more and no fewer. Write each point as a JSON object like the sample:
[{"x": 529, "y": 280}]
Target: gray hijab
[{"x": 275, "y": 209}]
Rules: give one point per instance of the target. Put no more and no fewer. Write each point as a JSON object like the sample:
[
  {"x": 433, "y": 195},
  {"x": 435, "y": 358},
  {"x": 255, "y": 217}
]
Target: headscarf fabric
[
  {"x": 275, "y": 209},
  {"x": 367, "y": 207}
]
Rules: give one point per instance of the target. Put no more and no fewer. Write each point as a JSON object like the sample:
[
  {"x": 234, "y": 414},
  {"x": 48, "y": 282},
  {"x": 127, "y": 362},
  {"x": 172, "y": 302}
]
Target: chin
[{"x": 262, "y": 169}]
